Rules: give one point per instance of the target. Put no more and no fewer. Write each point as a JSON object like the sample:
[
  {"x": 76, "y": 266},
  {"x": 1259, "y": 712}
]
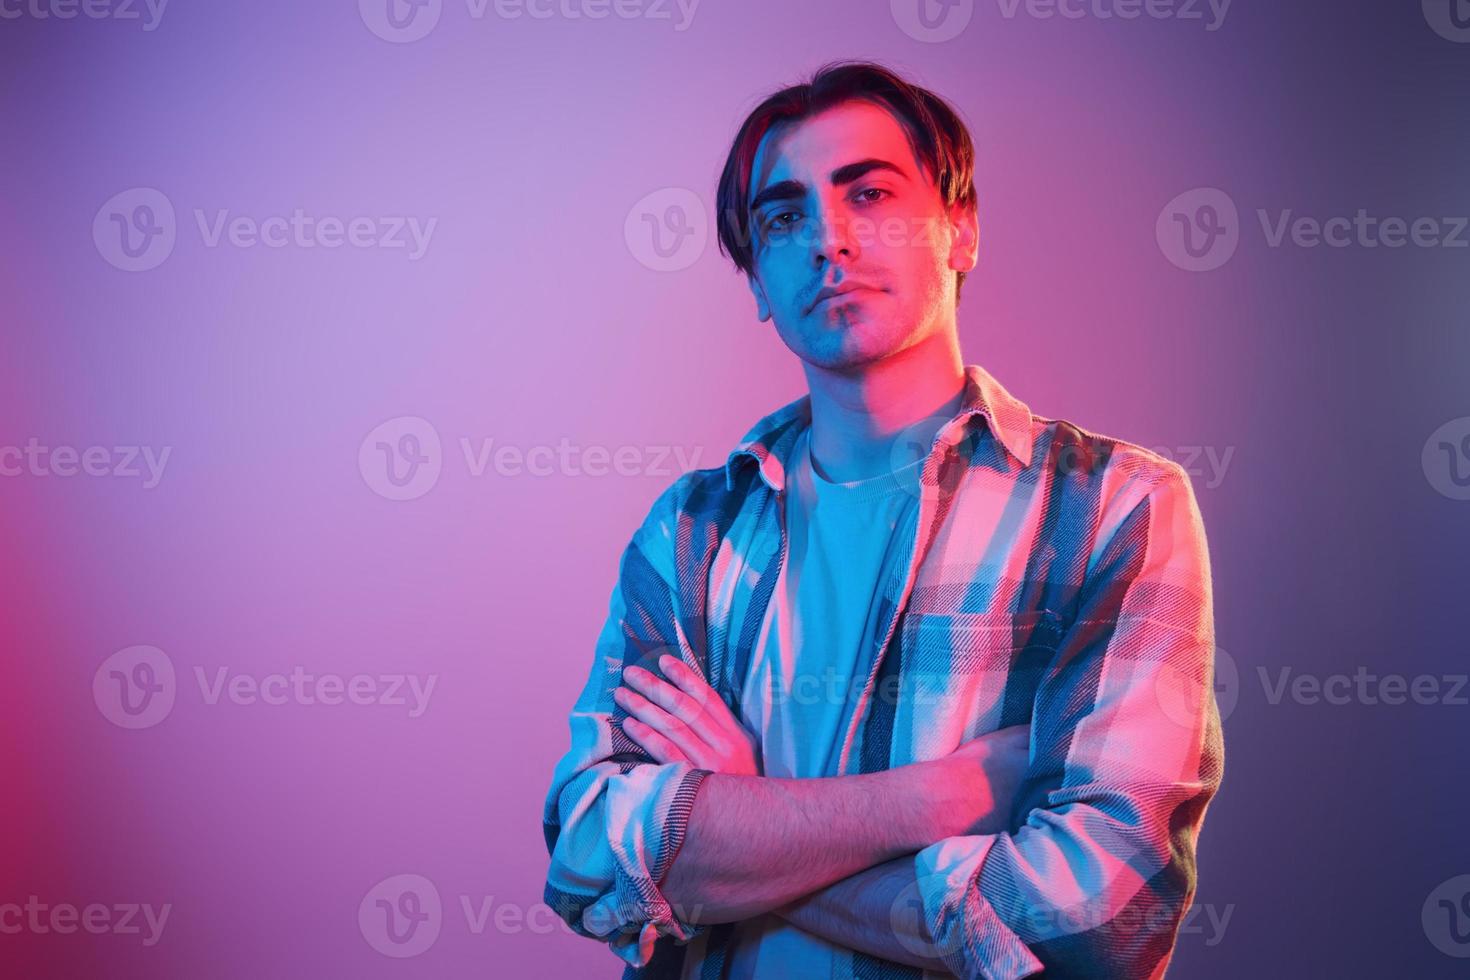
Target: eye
[
  {"x": 880, "y": 192},
  {"x": 776, "y": 221}
]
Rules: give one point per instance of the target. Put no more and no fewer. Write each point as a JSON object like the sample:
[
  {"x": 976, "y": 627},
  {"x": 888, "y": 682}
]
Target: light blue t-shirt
[{"x": 810, "y": 653}]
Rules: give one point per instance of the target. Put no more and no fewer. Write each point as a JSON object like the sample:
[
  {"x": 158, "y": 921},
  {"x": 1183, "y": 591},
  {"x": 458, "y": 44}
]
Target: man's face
[{"x": 839, "y": 201}]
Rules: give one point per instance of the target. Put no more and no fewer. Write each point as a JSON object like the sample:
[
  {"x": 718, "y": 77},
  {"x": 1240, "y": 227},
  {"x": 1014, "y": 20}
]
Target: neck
[{"x": 856, "y": 415}]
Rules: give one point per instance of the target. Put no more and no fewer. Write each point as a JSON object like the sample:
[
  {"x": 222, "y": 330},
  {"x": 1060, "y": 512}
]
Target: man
[{"x": 918, "y": 681}]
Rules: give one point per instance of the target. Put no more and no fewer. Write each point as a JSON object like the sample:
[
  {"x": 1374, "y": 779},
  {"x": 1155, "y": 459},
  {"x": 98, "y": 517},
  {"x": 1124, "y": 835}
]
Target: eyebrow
[{"x": 790, "y": 190}]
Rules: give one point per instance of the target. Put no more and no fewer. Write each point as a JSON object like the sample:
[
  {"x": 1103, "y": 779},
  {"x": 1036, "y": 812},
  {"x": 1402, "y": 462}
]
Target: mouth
[{"x": 835, "y": 294}]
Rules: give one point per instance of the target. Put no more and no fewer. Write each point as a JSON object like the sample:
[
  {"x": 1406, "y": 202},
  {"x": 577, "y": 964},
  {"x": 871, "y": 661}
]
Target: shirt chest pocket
[{"x": 966, "y": 674}]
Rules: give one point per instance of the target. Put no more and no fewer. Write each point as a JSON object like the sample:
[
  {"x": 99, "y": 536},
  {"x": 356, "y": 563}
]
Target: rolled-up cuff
[
  {"x": 646, "y": 827},
  {"x": 969, "y": 935}
]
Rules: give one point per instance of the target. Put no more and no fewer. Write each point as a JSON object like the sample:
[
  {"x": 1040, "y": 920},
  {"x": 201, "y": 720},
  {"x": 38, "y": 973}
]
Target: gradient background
[{"x": 1336, "y": 542}]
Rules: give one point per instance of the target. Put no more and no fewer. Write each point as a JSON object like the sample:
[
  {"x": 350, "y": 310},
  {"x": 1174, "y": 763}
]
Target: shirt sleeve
[
  {"x": 614, "y": 817},
  {"x": 1096, "y": 881}
]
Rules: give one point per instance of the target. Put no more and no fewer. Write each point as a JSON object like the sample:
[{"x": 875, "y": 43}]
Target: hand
[
  {"x": 684, "y": 721},
  {"x": 989, "y": 770}
]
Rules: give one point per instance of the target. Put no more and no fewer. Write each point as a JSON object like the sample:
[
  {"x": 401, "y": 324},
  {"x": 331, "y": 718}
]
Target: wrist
[{"x": 947, "y": 794}]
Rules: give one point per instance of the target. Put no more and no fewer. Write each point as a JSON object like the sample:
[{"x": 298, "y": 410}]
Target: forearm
[
  {"x": 755, "y": 843},
  {"x": 879, "y": 910},
  {"x": 876, "y": 911}
]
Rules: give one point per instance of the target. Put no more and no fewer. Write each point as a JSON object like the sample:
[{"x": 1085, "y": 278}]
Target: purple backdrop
[{"x": 256, "y": 673}]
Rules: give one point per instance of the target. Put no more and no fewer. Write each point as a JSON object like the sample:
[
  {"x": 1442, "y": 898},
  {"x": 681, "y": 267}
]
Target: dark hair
[{"x": 935, "y": 131}]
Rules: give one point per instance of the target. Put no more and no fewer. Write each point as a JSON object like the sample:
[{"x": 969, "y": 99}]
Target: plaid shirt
[{"x": 1055, "y": 578}]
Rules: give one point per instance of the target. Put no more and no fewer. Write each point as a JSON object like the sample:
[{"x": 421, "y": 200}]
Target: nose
[{"x": 833, "y": 239}]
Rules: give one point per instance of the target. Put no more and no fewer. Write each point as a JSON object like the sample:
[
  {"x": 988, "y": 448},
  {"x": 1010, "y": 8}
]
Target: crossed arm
[{"x": 833, "y": 856}]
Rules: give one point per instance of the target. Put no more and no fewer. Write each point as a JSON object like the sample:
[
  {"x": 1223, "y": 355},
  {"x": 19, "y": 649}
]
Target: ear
[
  {"x": 964, "y": 249},
  {"x": 762, "y": 308}
]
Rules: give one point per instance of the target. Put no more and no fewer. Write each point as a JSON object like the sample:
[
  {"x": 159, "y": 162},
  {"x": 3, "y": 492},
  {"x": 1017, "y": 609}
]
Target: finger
[
  {"x": 688, "y": 680},
  {"x": 653, "y": 743},
  {"x": 716, "y": 725},
  {"x": 658, "y": 719},
  {"x": 665, "y": 695},
  {"x": 713, "y": 723}
]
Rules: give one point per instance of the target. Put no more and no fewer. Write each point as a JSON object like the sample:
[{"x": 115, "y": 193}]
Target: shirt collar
[{"x": 769, "y": 441}]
